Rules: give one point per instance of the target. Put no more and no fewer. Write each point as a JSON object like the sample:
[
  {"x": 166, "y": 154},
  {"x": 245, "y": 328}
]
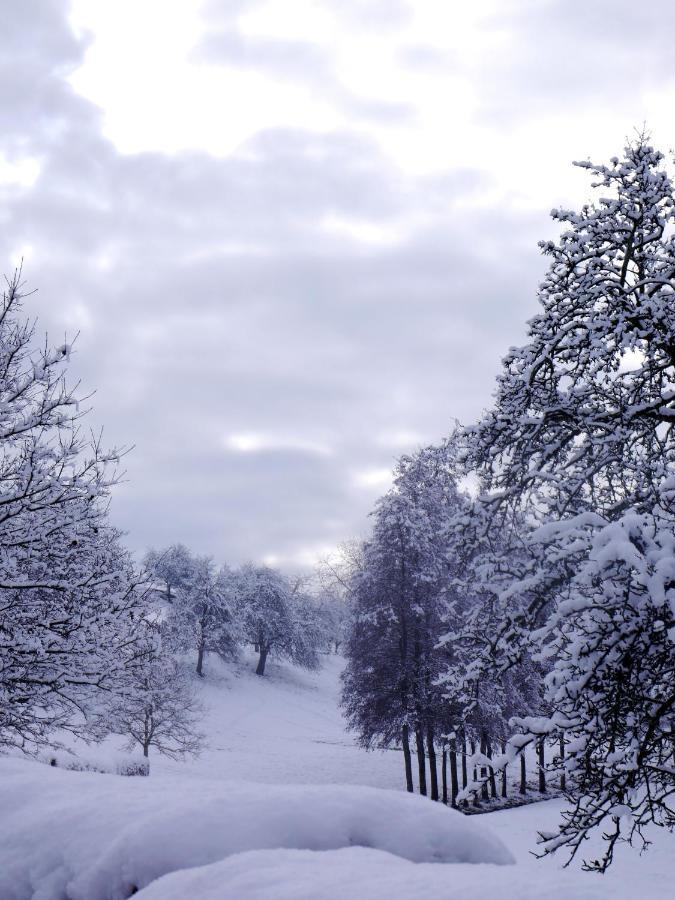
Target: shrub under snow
[{"x": 85, "y": 836}]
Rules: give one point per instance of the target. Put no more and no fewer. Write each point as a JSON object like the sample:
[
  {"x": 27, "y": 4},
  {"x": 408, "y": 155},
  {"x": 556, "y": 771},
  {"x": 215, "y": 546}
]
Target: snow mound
[
  {"x": 85, "y": 836},
  {"x": 362, "y": 873}
]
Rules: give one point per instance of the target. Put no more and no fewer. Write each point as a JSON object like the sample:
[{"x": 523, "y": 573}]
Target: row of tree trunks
[{"x": 449, "y": 791}]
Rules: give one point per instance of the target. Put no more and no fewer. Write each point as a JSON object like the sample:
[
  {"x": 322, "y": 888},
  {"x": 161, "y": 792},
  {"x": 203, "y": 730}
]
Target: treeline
[
  {"x": 540, "y": 606},
  {"x": 205, "y": 609}
]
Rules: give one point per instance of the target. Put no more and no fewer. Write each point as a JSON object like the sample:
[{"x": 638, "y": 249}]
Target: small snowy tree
[
  {"x": 160, "y": 707},
  {"x": 69, "y": 603}
]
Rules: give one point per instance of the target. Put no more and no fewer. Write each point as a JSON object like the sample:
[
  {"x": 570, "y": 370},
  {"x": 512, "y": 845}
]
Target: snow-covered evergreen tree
[{"x": 401, "y": 595}]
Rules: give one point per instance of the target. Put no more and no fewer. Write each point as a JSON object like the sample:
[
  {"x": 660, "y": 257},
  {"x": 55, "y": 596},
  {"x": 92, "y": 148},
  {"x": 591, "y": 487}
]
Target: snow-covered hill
[{"x": 283, "y": 728}]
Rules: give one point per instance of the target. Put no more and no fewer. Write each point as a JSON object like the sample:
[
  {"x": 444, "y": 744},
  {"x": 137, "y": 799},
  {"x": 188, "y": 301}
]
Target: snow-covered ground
[
  {"x": 215, "y": 827},
  {"x": 283, "y": 728}
]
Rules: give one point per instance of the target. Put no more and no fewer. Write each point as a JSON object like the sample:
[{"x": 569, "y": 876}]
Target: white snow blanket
[
  {"x": 363, "y": 874},
  {"x": 86, "y": 836}
]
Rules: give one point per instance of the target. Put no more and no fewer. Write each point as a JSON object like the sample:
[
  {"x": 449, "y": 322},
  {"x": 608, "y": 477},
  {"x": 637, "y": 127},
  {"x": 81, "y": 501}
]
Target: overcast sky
[{"x": 296, "y": 237}]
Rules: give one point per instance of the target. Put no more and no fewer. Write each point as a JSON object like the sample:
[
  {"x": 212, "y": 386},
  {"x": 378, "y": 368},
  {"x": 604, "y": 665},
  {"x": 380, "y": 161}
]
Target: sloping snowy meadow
[{"x": 262, "y": 814}]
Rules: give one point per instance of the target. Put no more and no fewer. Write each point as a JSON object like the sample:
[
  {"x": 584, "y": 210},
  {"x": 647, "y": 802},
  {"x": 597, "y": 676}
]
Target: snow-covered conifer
[{"x": 400, "y": 597}]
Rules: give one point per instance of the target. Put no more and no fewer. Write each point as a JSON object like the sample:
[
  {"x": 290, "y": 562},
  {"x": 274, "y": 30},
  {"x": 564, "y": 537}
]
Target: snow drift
[
  {"x": 360, "y": 873},
  {"x": 85, "y": 836}
]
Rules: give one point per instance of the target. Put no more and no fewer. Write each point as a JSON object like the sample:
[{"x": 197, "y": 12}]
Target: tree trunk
[
  {"x": 523, "y": 772},
  {"x": 419, "y": 740},
  {"x": 542, "y": 764},
  {"x": 444, "y": 775},
  {"x": 405, "y": 740},
  {"x": 200, "y": 660},
  {"x": 493, "y": 780},
  {"x": 483, "y": 769},
  {"x": 472, "y": 748},
  {"x": 465, "y": 776},
  {"x": 504, "y": 785},
  {"x": 433, "y": 773},
  {"x": 563, "y": 775},
  {"x": 454, "y": 786},
  {"x": 146, "y": 748},
  {"x": 262, "y": 659}
]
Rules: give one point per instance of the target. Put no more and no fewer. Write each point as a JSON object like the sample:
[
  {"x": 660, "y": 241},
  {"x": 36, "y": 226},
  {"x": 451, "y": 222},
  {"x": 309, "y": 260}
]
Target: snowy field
[{"x": 217, "y": 828}]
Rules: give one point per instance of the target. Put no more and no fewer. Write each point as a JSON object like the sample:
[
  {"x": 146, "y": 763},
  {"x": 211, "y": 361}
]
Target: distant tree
[
  {"x": 333, "y": 613},
  {"x": 275, "y": 618},
  {"x": 69, "y": 602},
  {"x": 172, "y": 568},
  {"x": 202, "y": 618},
  {"x": 334, "y": 578}
]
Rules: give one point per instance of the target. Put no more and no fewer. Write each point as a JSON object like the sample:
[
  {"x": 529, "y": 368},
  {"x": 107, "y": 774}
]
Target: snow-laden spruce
[
  {"x": 69, "y": 606},
  {"x": 579, "y": 451}
]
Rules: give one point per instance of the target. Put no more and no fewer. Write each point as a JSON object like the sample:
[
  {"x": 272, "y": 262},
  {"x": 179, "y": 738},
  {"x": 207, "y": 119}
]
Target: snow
[
  {"x": 284, "y": 728},
  {"x": 117, "y": 834},
  {"x": 204, "y": 833},
  {"x": 353, "y": 872}
]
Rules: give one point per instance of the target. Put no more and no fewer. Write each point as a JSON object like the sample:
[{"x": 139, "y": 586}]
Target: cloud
[
  {"x": 301, "y": 62},
  {"x": 270, "y": 327},
  {"x": 248, "y": 442}
]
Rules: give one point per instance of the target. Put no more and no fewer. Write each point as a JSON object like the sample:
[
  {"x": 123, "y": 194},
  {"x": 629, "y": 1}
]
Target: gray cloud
[
  {"x": 575, "y": 55},
  {"x": 295, "y": 61},
  {"x": 239, "y": 296}
]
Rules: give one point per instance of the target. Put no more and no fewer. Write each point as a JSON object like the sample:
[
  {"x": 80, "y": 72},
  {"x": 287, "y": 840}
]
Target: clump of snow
[
  {"x": 361, "y": 873},
  {"x": 85, "y": 836}
]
